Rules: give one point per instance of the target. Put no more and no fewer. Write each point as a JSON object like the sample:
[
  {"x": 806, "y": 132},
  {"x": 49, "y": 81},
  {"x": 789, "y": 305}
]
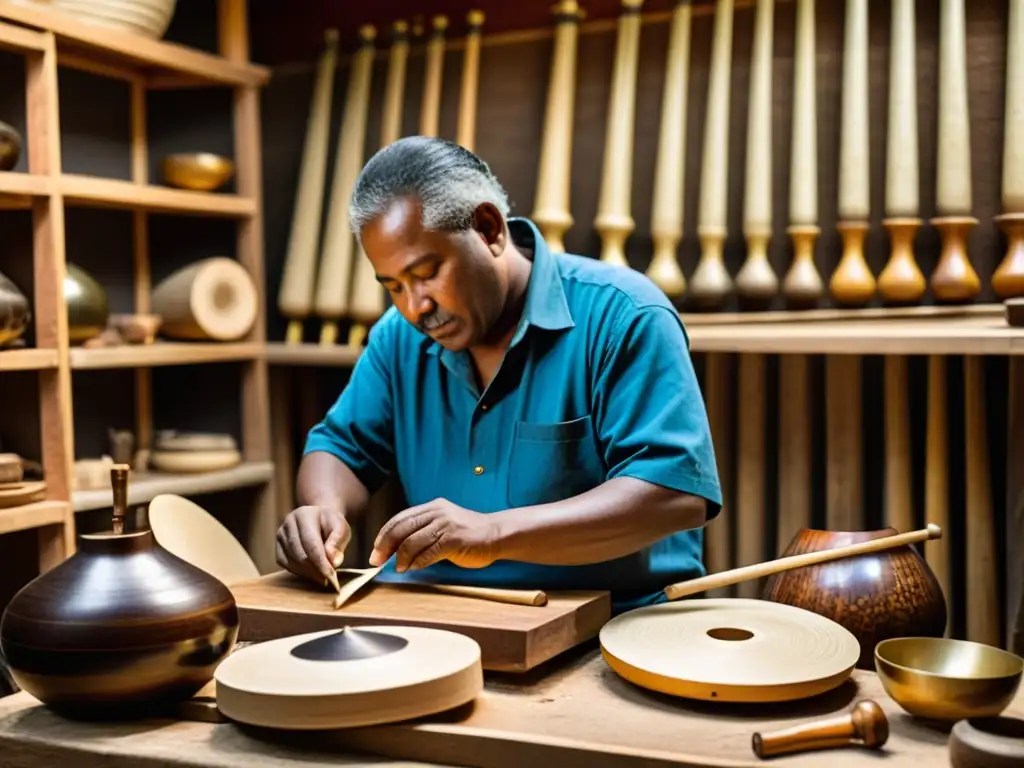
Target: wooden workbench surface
[{"x": 574, "y": 712}]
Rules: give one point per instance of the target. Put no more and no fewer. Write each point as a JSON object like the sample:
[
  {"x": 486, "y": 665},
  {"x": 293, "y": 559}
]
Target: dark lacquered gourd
[
  {"x": 121, "y": 628},
  {"x": 892, "y": 593},
  {"x": 10, "y": 147},
  {"x": 14, "y": 311}
]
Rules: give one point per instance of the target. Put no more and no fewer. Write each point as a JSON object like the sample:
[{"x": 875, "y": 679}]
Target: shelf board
[
  {"x": 161, "y": 353},
  {"x": 17, "y": 190},
  {"x": 21, "y": 40},
  {"x": 143, "y": 487},
  {"x": 152, "y": 58},
  {"x": 312, "y": 355},
  {"x": 930, "y": 312},
  {"x": 91, "y": 191},
  {"x": 35, "y": 515},
  {"x": 28, "y": 359}
]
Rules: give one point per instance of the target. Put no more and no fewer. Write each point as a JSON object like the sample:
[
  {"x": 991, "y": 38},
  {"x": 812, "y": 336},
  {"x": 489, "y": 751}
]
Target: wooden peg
[{"x": 865, "y": 725}]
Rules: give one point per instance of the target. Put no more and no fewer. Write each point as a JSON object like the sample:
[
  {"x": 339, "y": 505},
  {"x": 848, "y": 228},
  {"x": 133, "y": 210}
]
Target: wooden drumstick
[
  {"x": 667, "y": 206},
  {"x": 710, "y": 283},
  {"x": 982, "y": 580},
  {"x": 466, "y": 135},
  {"x": 802, "y": 285},
  {"x": 936, "y": 475},
  {"x": 430, "y": 108},
  {"x": 367, "y": 301},
  {"x": 295, "y": 297},
  {"x": 1008, "y": 279},
  {"x": 771, "y": 567},
  {"x": 852, "y": 283},
  {"x": 551, "y": 198},
  {"x": 865, "y": 725},
  {"x": 334, "y": 278},
  {"x": 901, "y": 282},
  {"x": 756, "y": 283},
  {"x": 614, "y": 222},
  {"x": 954, "y": 279}
]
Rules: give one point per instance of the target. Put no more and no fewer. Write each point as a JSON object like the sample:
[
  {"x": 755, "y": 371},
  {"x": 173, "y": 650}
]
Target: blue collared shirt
[{"x": 597, "y": 383}]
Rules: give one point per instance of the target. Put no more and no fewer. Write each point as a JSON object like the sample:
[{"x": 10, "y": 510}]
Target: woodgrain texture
[
  {"x": 579, "y": 714},
  {"x": 512, "y": 637}
]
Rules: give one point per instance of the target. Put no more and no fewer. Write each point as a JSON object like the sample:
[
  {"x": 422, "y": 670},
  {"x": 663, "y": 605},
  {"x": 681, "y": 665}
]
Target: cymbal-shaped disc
[
  {"x": 349, "y": 677},
  {"x": 733, "y": 650}
]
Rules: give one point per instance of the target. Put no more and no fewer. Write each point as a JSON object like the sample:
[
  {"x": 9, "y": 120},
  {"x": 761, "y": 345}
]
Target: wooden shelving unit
[{"x": 49, "y": 40}]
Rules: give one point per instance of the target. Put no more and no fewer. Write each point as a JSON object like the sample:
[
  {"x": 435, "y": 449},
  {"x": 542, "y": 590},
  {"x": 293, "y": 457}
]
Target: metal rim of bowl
[{"x": 946, "y": 640}]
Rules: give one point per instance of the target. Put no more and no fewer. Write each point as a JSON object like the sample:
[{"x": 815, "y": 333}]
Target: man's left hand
[{"x": 438, "y": 530}]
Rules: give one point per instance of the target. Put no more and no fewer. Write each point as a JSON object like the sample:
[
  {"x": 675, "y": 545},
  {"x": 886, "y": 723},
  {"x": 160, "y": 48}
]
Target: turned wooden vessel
[
  {"x": 88, "y": 309},
  {"x": 876, "y": 596},
  {"x": 14, "y": 311},
  {"x": 121, "y": 628}
]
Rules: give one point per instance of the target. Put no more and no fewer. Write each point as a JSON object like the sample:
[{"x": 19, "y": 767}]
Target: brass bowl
[
  {"x": 936, "y": 678},
  {"x": 203, "y": 171}
]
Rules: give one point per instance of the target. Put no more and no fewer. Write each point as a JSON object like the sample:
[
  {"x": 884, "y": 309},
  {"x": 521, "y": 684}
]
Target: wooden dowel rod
[
  {"x": 770, "y": 568},
  {"x": 513, "y": 596}
]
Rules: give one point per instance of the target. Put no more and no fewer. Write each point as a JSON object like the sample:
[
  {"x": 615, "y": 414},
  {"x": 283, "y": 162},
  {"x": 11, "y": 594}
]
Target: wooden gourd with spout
[
  {"x": 710, "y": 284},
  {"x": 367, "y": 302},
  {"x": 852, "y": 283},
  {"x": 551, "y": 210},
  {"x": 954, "y": 279},
  {"x": 756, "y": 283},
  {"x": 466, "y": 135},
  {"x": 802, "y": 285},
  {"x": 902, "y": 282},
  {"x": 336, "y": 258},
  {"x": 1008, "y": 279},
  {"x": 295, "y": 297},
  {"x": 430, "y": 106},
  {"x": 667, "y": 206},
  {"x": 614, "y": 222}
]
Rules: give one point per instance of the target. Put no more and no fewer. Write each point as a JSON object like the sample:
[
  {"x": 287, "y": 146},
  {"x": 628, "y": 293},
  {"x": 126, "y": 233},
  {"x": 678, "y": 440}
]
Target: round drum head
[
  {"x": 349, "y": 677},
  {"x": 733, "y": 650}
]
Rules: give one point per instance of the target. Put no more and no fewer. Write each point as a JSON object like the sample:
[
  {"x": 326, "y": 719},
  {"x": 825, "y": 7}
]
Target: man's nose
[{"x": 421, "y": 303}]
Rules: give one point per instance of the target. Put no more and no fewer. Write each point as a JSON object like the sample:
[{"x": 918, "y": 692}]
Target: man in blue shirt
[{"x": 540, "y": 410}]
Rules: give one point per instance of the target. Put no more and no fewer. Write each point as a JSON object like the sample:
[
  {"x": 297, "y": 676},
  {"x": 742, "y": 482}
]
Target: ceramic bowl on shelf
[{"x": 202, "y": 171}]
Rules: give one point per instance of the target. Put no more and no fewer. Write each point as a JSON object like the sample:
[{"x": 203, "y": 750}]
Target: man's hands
[
  {"x": 438, "y": 530},
  {"x": 312, "y": 541}
]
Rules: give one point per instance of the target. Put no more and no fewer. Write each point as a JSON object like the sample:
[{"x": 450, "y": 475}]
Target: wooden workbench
[{"x": 574, "y": 712}]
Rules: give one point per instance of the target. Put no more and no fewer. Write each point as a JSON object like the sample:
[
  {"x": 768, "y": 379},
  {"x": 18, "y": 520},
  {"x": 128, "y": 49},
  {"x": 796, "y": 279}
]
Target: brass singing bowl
[
  {"x": 936, "y": 678},
  {"x": 202, "y": 171}
]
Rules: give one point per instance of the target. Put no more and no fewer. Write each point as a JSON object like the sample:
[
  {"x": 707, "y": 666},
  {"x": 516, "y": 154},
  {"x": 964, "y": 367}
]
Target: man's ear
[{"x": 490, "y": 225}]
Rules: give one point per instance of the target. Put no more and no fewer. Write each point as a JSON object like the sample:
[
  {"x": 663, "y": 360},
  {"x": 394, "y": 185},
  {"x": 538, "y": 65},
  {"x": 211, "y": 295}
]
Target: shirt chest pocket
[{"x": 551, "y": 461}]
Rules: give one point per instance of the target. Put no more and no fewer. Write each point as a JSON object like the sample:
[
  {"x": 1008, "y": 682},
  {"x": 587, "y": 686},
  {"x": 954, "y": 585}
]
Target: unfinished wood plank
[
  {"x": 899, "y": 511},
  {"x": 89, "y": 191},
  {"x": 750, "y": 469},
  {"x": 37, "y": 515},
  {"x": 163, "y": 353},
  {"x": 844, "y": 495},
  {"x": 794, "y": 449},
  {"x": 27, "y": 359},
  {"x": 936, "y": 479}
]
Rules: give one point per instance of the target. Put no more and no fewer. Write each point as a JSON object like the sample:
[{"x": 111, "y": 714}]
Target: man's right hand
[{"x": 311, "y": 542}]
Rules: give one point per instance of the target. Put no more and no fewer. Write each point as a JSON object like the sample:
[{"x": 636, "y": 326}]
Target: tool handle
[
  {"x": 760, "y": 570},
  {"x": 865, "y": 725}
]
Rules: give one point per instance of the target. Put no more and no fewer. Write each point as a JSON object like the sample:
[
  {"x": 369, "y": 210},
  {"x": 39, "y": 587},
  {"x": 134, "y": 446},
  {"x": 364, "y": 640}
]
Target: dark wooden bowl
[
  {"x": 877, "y": 596},
  {"x": 988, "y": 742},
  {"x": 121, "y": 628}
]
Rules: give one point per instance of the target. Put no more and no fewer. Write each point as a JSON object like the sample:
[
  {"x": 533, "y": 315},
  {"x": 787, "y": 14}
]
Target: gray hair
[{"x": 449, "y": 181}]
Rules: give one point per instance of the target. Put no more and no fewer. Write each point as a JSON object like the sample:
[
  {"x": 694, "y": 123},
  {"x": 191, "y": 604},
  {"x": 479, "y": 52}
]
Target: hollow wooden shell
[
  {"x": 877, "y": 596},
  {"x": 119, "y": 628},
  {"x": 14, "y": 311},
  {"x": 88, "y": 310}
]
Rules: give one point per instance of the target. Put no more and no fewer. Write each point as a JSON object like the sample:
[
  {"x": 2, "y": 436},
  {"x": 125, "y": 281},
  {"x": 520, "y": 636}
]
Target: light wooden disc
[
  {"x": 733, "y": 650},
  {"x": 392, "y": 673}
]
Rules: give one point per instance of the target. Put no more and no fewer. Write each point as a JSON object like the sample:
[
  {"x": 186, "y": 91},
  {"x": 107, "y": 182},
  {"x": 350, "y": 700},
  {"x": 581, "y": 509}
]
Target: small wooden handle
[
  {"x": 865, "y": 725},
  {"x": 515, "y": 596},
  {"x": 760, "y": 570}
]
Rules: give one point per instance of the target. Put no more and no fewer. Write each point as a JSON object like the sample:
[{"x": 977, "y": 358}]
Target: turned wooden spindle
[
  {"x": 756, "y": 283},
  {"x": 902, "y": 282},
  {"x": 466, "y": 133},
  {"x": 865, "y": 725},
  {"x": 667, "y": 206},
  {"x": 367, "y": 302},
  {"x": 295, "y": 297},
  {"x": 710, "y": 283},
  {"x": 336, "y": 259},
  {"x": 802, "y": 285},
  {"x": 852, "y": 282},
  {"x": 551, "y": 199},
  {"x": 1008, "y": 279},
  {"x": 954, "y": 279},
  {"x": 430, "y": 106},
  {"x": 614, "y": 221}
]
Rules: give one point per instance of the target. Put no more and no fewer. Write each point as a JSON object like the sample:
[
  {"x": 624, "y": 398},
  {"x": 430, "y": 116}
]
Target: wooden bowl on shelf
[
  {"x": 136, "y": 329},
  {"x": 199, "y": 171}
]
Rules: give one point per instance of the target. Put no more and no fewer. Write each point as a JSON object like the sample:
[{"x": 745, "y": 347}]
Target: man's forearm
[
  {"x": 613, "y": 520},
  {"x": 325, "y": 481}
]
